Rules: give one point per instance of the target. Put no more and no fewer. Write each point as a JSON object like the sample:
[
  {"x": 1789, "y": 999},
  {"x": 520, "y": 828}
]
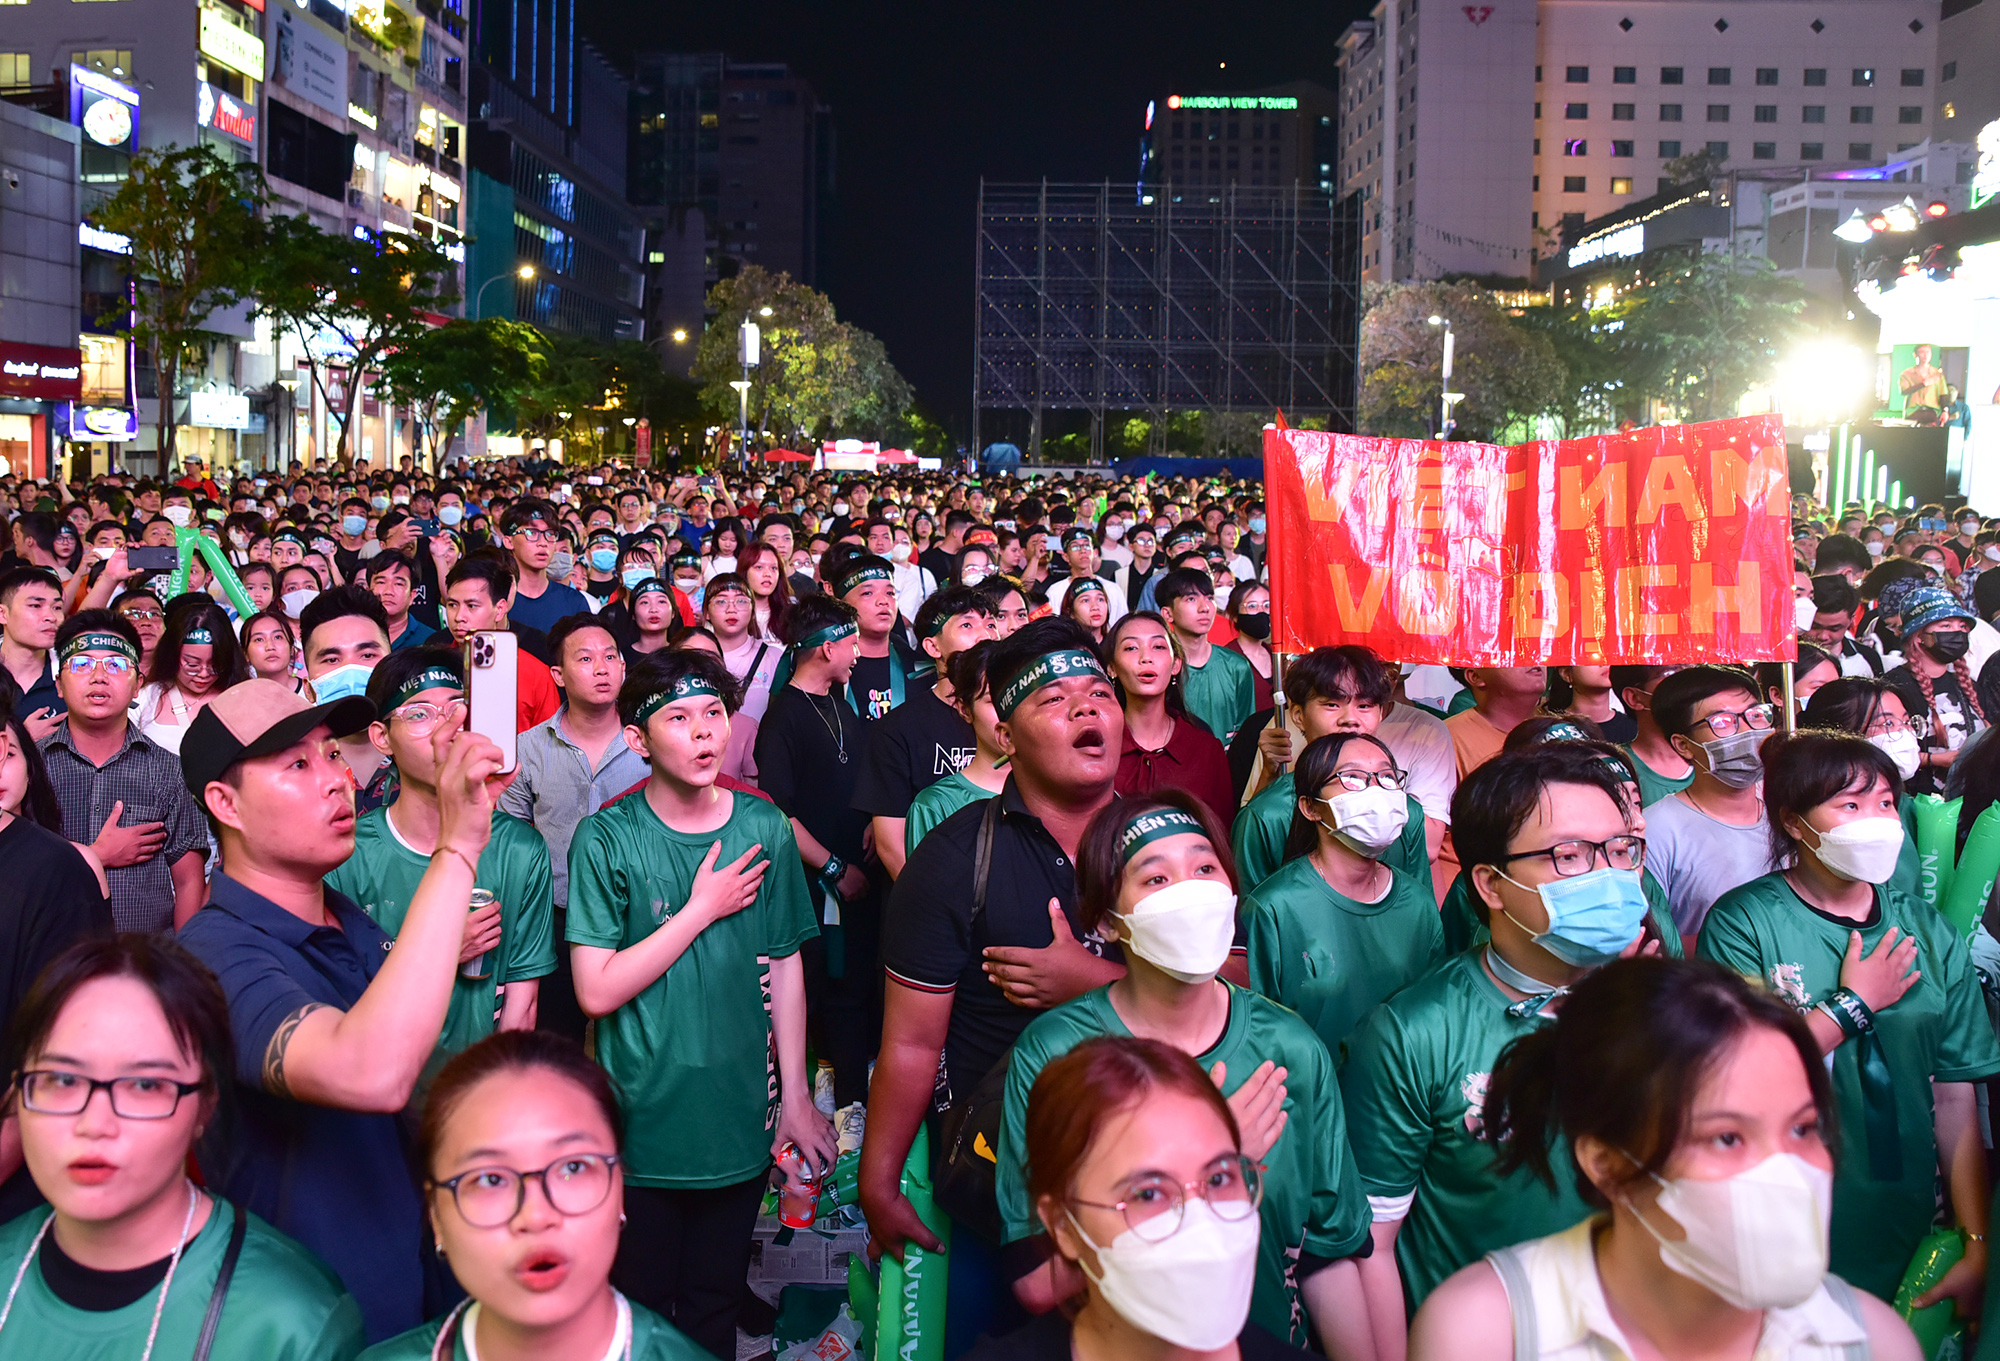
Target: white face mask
[
  {"x": 295, "y": 602},
  {"x": 451, "y": 514},
  {"x": 1865, "y": 850},
  {"x": 1757, "y": 1239},
  {"x": 1114, "y": 531},
  {"x": 900, "y": 553},
  {"x": 1900, "y": 747},
  {"x": 840, "y": 507},
  {"x": 179, "y": 516},
  {"x": 1369, "y": 820},
  {"x": 1184, "y": 930},
  {"x": 1874, "y": 549},
  {"x": 972, "y": 576},
  {"x": 1191, "y": 1288},
  {"x": 1803, "y": 611},
  {"x": 1991, "y": 552}
]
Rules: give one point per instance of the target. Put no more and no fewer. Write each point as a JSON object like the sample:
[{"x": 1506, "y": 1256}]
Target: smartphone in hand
[{"x": 493, "y": 679}]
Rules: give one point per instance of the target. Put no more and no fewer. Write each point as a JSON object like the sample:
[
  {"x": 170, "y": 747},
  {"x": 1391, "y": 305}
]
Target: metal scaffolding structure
[{"x": 1112, "y": 297}]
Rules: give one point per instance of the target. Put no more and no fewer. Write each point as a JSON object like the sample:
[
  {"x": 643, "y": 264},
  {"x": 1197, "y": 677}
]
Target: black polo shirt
[
  {"x": 338, "y": 1181},
  {"x": 931, "y": 943},
  {"x": 42, "y": 695}
]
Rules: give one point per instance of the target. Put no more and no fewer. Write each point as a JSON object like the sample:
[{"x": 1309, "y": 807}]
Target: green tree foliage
[
  {"x": 448, "y": 373},
  {"x": 193, "y": 221},
  {"x": 1509, "y": 374},
  {"x": 1595, "y": 352},
  {"x": 1700, "y": 336},
  {"x": 818, "y": 375},
  {"x": 586, "y": 389},
  {"x": 351, "y": 302}
]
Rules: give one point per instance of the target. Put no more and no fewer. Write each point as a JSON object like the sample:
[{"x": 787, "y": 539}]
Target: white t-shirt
[
  {"x": 1422, "y": 745},
  {"x": 1697, "y": 858}
]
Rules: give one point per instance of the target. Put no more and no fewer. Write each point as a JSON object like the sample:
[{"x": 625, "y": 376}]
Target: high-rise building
[
  {"x": 1967, "y": 95},
  {"x": 1480, "y": 134},
  {"x": 1196, "y": 146}
]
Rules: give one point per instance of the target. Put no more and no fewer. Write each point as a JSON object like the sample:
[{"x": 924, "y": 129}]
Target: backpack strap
[
  {"x": 982, "y": 856},
  {"x": 213, "y": 1319},
  {"x": 1506, "y": 1263},
  {"x": 1843, "y": 1295}
]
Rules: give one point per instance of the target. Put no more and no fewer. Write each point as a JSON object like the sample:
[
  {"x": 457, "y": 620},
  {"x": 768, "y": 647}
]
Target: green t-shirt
[
  {"x": 382, "y": 876},
  {"x": 1258, "y": 837},
  {"x": 1463, "y": 929},
  {"x": 937, "y": 801},
  {"x": 1460, "y": 702},
  {"x": 1330, "y": 958},
  {"x": 692, "y": 1053},
  {"x": 1312, "y": 1202},
  {"x": 1654, "y": 786},
  {"x": 283, "y": 1303},
  {"x": 653, "y": 1339},
  {"x": 1221, "y": 692},
  {"x": 1938, "y": 1031},
  {"x": 1415, "y": 1084}
]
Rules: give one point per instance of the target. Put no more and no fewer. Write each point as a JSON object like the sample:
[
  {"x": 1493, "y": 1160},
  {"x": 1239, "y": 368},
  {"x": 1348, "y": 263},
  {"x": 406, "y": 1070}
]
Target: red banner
[{"x": 1666, "y": 545}]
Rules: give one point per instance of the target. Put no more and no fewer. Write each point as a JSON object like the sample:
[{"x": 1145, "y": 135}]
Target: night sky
[{"x": 928, "y": 97}]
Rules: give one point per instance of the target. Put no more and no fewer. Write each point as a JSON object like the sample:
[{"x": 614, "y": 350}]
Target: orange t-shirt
[{"x": 1475, "y": 741}]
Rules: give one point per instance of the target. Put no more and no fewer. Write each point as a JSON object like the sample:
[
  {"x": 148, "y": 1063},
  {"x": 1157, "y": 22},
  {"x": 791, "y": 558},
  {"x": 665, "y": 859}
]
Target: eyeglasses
[
  {"x": 488, "y": 1197},
  {"x": 537, "y": 535},
  {"x": 51, "y": 1091},
  {"x": 142, "y": 616},
  {"x": 1756, "y": 718},
  {"x": 1883, "y": 724},
  {"x": 82, "y": 665},
  {"x": 1153, "y": 1207},
  {"x": 1580, "y": 857},
  {"x": 1355, "y": 780},
  {"x": 423, "y": 718}
]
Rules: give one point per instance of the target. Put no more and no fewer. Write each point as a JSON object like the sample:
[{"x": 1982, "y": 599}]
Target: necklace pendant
[{"x": 843, "y": 758}]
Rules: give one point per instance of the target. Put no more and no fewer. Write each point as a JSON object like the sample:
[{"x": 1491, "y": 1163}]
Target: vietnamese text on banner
[{"x": 1666, "y": 545}]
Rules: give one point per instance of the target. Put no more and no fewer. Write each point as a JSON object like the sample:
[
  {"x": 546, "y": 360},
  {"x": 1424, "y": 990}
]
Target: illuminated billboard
[
  {"x": 1262, "y": 102},
  {"x": 106, "y": 110}
]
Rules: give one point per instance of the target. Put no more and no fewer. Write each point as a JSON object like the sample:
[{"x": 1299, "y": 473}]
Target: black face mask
[
  {"x": 1257, "y": 626},
  {"x": 1948, "y": 647}
]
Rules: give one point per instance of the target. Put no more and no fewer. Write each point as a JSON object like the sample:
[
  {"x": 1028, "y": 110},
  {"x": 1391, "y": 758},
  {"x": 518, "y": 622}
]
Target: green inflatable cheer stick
[
  {"x": 190, "y": 541},
  {"x": 1972, "y": 880},
  {"x": 910, "y": 1325},
  {"x": 1937, "y": 836},
  {"x": 1940, "y": 1332}
]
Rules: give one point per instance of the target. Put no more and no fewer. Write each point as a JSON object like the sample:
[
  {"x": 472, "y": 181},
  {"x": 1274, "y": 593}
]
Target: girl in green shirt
[
  {"x": 122, "y": 1046},
  {"x": 520, "y": 1151},
  {"x": 982, "y": 777}
]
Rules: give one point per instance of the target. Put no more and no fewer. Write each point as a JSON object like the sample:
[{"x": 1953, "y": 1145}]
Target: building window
[
  {"x": 1576, "y": 146},
  {"x": 1621, "y": 184},
  {"x": 1812, "y": 151},
  {"x": 1576, "y": 75},
  {"x": 1950, "y": 71},
  {"x": 1538, "y": 108},
  {"x": 1572, "y": 184},
  {"x": 113, "y": 62},
  {"x": 1815, "y": 75},
  {"x": 1767, "y": 75},
  {"x": 1669, "y": 150},
  {"x": 1861, "y": 113},
  {"x": 1670, "y": 75},
  {"x": 16, "y": 69},
  {"x": 1719, "y": 150},
  {"x": 1718, "y": 75},
  {"x": 1860, "y": 151},
  {"x": 1538, "y": 75},
  {"x": 1576, "y": 111},
  {"x": 1623, "y": 113},
  {"x": 1763, "y": 151},
  {"x": 1621, "y": 150},
  {"x": 1767, "y": 113},
  {"x": 1913, "y": 77},
  {"x": 1537, "y": 185},
  {"x": 1670, "y": 113},
  {"x": 1718, "y": 113},
  {"x": 1624, "y": 75},
  {"x": 1948, "y": 109},
  {"x": 1864, "y": 75},
  {"x": 1814, "y": 113},
  {"x": 1910, "y": 113},
  {"x": 1538, "y": 146},
  {"x": 1534, "y": 219}
]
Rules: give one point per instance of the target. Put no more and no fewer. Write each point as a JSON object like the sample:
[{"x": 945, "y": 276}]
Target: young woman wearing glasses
[
  {"x": 1154, "y": 873},
  {"x": 123, "y": 1050},
  {"x": 519, "y": 1149}
]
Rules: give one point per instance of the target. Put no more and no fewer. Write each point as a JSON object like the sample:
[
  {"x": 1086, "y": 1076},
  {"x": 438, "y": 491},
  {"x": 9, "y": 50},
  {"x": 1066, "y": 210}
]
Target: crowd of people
[{"x": 1317, "y": 1004}]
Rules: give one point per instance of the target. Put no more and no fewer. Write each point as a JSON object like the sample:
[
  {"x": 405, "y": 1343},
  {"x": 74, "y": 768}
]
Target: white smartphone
[{"x": 493, "y": 680}]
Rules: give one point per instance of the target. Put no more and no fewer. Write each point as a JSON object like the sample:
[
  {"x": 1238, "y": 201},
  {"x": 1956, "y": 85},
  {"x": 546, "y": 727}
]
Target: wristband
[
  {"x": 1849, "y": 1012},
  {"x": 451, "y": 850},
  {"x": 831, "y": 871}
]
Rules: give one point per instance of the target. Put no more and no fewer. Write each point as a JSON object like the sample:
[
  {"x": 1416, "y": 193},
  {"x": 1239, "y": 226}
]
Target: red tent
[
  {"x": 895, "y": 456},
  {"x": 786, "y": 456}
]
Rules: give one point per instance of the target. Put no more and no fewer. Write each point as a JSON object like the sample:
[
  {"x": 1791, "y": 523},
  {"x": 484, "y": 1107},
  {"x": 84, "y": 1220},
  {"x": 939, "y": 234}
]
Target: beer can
[{"x": 481, "y": 965}]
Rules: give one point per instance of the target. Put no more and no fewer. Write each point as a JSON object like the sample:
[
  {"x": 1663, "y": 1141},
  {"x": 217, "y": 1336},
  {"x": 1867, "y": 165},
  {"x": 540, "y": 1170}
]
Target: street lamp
[
  {"x": 749, "y": 350},
  {"x": 524, "y": 273},
  {"x": 1447, "y": 399}
]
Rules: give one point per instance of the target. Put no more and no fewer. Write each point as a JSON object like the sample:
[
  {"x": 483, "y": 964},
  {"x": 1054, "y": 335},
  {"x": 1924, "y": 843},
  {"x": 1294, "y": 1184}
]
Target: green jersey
[
  {"x": 1330, "y": 958},
  {"x": 1415, "y": 1084},
  {"x": 1885, "y": 1176},
  {"x": 1221, "y": 692},
  {"x": 1258, "y": 838},
  {"x": 936, "y": 802},
  {"x": 283, "y": 1303},
  {"x": 1312, "y": 1203},
  {"x": 692, "y": 1053},
  {"x": 1463, "y": 929},
  {"x": 382, "y": 876},
  {"x": 653, "y": 1339},
  {"x": 1654, "y": 786}
]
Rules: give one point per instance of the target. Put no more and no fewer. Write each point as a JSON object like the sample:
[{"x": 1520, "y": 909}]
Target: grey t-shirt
[{"x": 1697, "y": 859}]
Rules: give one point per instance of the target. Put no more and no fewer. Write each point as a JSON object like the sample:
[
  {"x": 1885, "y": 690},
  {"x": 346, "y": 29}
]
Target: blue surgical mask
[
  {"x": 1592, "y": 916},
  {"x": 451, "y": 515},
  {"x": 342, "y": 681},
  {"x": 603, "y": 559},
  {"x": 352, "y": 525},
  {"x": 632, "y": 576},
  {"x": 379, "y": 502},
  {"x": 1256, "y": 524}
]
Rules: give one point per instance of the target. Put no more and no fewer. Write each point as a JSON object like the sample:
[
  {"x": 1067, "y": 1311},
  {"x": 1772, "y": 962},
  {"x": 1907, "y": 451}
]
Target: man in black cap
[{"x": 332, "y": 1028}]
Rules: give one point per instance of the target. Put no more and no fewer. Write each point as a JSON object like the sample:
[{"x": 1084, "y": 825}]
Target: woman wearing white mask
[
  {"x": 1694, "y": 1108},
  {"x": 1888, "y": 989},
  {"x": 1872, "y": 708},
  {"x": 1154, "y": 874},
  {"x": 1140, "y": 1181},
  {"x": 1335, "y": 930}
]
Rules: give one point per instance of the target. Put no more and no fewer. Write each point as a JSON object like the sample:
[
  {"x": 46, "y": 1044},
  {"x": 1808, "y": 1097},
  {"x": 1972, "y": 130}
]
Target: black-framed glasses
[
  {"x": 52, "y": 1091},
  {"x": 1580, "y": 857},
  {"x": 1354, "y": 779},
  {"x": 488, "y": 1197},
  {"x": 1154, "y": 1203},
  {"x": 537, "y": 535},
  {"x": 1727, "y": 723}
]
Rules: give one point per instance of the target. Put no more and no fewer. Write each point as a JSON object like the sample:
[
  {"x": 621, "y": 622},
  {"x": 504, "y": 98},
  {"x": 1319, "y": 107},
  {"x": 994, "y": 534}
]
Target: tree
[
  {"x": 1696, "y": 167},
  {"x": 1509, "y": 374},
  {"x": 587, "y": 389},
  {"x": 192, "y": 218},
  {"x": 1698, "y": 337},
  {"x": 1594, "y": 350},
  {"x": 449, "y": 372},
  {"x": 350, "y": 299}
]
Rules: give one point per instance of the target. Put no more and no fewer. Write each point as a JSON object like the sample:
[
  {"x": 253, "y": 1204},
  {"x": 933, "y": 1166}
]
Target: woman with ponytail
[
  {"x": 1693, "y": 1112},
  {"x": 1936, "y": 681}
]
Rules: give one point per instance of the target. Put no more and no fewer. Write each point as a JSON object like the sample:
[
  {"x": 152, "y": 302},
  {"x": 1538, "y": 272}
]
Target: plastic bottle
[{"x": 1939, "y": 1329}]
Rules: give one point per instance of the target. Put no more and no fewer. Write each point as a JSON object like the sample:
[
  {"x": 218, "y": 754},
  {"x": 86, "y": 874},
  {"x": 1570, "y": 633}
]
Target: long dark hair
[
  {"x": 1316, "y": 766},
  {"x": 38, "y": 803},
  {"x": 1100, "y": 868},
  {"x": 1625, "y": 1060},
  {"x": 227, "y": 659},
  {"x": 1849, "y": 703},
  {"x": 781, "y": 594},
  {"x": 1107, "y": 652}
]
